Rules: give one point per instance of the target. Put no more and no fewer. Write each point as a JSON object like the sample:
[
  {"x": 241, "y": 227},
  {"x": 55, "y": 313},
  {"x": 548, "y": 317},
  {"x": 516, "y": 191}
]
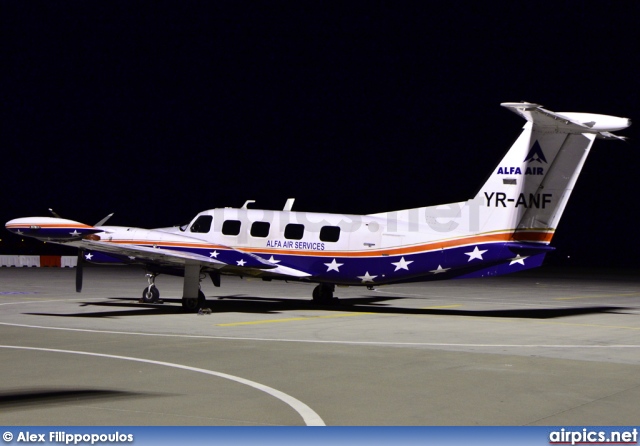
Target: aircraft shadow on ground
[
  {"x": 124, "y": 306},
  {"x": 38, "y": 397}
]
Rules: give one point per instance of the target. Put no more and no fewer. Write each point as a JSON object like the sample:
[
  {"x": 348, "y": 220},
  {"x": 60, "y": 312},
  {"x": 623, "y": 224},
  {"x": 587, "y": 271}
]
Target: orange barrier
[{"x": 50, "y": 261}]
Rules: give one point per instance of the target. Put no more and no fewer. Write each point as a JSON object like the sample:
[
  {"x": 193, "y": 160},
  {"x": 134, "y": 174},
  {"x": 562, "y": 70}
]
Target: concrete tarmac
[{"x": 540, "y": 348}]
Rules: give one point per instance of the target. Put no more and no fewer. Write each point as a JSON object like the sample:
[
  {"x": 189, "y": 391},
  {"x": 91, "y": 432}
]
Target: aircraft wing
[
  {"x": 149, "y": 246},
  {"x": 248, "y": 263},
  {"x": 166, "y": 257}
]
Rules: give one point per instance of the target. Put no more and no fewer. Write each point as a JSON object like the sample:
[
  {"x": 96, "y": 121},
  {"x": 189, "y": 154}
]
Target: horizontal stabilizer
[{"x": 543, "y": 119}]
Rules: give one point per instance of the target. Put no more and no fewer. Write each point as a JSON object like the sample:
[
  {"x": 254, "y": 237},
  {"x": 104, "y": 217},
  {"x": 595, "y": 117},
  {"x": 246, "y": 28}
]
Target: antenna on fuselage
[
  {"x": 246, "y": 203},
  {"x": 289, "y": 204},
  {"x": 104, "y": 220}
]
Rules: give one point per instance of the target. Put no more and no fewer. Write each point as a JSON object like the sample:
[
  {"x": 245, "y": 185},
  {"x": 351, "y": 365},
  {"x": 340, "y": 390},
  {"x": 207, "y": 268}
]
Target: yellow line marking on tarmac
[
  {"x": 292, "y": 319},
  {"x": 599, "y": 296},
  {"x": 439, "y": 307},
  {"x": 329, "y": 316}
]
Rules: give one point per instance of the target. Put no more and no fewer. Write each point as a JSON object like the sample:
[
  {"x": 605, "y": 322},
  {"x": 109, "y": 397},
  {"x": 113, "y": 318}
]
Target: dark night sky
[{"x": 158, "y": 110}]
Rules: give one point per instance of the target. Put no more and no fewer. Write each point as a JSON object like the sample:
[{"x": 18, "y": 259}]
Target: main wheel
[
  {"x": 192, "y": 305},
  {"x": 150, "y": 295},
  {"x": 323, "y": 293},
  {"x": 316, "y": 294}
]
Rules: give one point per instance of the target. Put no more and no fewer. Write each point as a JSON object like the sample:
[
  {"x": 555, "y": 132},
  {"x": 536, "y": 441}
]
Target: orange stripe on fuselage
[
  {"x": 543, "y": 237},
  {"x": 502, "y": 237},
  {"x": 49, "y": 225},
  {"x": 526, "y": 236}
]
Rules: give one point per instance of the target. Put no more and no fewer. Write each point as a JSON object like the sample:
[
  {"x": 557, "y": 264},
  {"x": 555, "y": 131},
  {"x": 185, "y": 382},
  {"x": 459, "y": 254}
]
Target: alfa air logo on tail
[{"x": 535, "y": 155}]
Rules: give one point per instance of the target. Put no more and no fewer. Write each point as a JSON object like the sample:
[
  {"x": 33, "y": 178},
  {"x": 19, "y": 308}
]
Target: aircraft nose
[{"x": 17, "y": 225}]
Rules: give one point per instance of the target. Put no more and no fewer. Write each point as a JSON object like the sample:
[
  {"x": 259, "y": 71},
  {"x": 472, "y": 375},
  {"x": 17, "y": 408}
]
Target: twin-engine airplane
[{"x": 506, "y": 227}]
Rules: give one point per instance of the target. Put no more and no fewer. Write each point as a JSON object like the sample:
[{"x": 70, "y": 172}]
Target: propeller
[{"x": 79, "y": 264}]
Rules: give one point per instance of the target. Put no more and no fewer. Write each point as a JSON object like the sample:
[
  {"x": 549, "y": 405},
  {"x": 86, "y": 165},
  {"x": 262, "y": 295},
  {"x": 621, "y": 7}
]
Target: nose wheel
[{"x": 151, "y": 295}]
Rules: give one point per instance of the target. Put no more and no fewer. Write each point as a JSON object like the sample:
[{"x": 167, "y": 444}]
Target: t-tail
[
  {"x": 515, "y": 213},
  {"x": 528, "y": 191}
]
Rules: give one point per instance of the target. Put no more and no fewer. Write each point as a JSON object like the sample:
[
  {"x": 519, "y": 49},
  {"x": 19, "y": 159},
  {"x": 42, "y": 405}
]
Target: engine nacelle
[{"x": 50, "y": 229}]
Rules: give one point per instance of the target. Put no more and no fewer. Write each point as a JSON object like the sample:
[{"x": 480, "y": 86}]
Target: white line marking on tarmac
[
  {"x": 310, "y": 417},
  {"x": 36, "y": 300},
  {"x": 318, "y": 341}
]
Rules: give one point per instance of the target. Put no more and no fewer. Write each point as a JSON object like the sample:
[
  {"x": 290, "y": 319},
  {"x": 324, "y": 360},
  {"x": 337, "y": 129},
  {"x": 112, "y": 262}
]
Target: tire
[
  {"x": 323, "y": 294},
  {"x": 316, "y": 294},
  {"x": 191, "y": 305},
  {"x": 150, "y": 295}
]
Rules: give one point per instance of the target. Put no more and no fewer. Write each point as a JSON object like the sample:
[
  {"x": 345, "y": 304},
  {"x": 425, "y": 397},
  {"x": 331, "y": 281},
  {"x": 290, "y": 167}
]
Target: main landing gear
[
  {"x": 323, "y": 294},
  {"x": 193, "y": 298},
  {"x": 192, "y": 304}
]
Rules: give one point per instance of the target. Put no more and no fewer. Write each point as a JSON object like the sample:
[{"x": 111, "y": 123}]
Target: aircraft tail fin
[{"x": 528, "y": 191}]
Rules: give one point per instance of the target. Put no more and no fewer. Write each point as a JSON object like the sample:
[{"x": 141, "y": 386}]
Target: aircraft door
[{"x": 368, "y": 236}]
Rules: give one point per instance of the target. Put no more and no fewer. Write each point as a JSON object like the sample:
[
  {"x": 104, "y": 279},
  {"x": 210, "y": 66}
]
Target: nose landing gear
[{"x": 151, "y": 295}]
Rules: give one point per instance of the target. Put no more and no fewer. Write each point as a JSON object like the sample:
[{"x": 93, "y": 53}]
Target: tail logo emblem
[{"x": 536, "y": 154}]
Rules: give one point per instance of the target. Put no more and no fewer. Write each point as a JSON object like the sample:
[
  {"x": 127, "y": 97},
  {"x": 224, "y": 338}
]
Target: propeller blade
[
  {"x": 79, "y": 270},
  {"x": 54, "y": 214}
]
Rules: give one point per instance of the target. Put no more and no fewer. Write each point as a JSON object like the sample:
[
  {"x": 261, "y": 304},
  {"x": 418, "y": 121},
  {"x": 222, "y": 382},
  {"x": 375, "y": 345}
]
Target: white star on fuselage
[
  {"x": 367, "y": 277},
  {"x": 241, "y": 262},
  {"x": 518, "y": 259},
  {"x": 272, "y": 260},
  {"x": 333, "y": 266},
  {"x": 439, "y": 270},
  {"x": 475, "y": 254},
  {"x": 214, "y": 254},
  {"x": 88, "y": 256},
  {"x": 75, "y": 233},
  {"x": 402, "y": 264},
  {"x": 19, "y": 232}
]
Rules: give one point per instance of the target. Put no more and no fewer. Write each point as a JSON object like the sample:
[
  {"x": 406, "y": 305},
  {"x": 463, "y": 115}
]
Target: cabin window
[
  {"x": 231, "y": 227},
  {"x": 330, "y": 233},
  {"x": 293, "y": 231},
  {"x": 260, "y": 229},
  {"x": 202, "y": 224}
]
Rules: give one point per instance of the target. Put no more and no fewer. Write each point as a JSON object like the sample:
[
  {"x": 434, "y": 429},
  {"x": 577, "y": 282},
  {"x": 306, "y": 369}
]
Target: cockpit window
[{"x": 202, "y": 224}]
